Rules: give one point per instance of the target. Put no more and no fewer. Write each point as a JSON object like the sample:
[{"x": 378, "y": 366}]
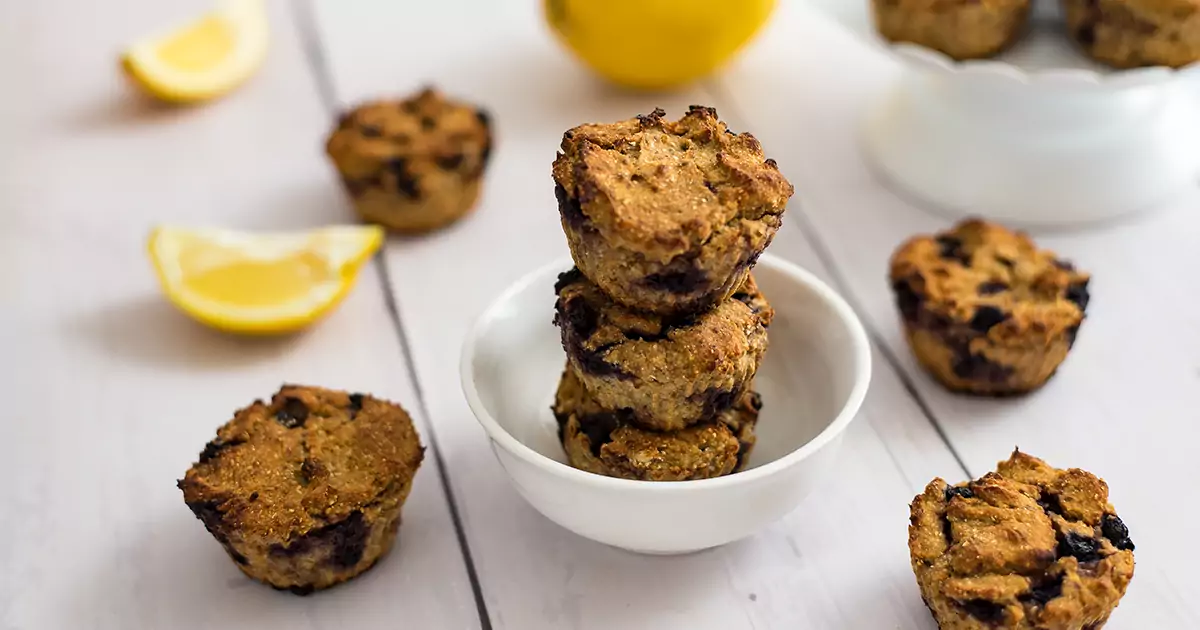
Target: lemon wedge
[
  {"x": 204, "y": 59},
  {"x": 260, "y": 283}
]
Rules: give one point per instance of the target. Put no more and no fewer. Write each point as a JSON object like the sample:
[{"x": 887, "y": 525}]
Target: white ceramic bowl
[{"x": 812, "y": 381}]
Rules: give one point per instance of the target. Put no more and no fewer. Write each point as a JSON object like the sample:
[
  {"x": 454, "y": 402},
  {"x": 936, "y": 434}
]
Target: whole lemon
[{"x": 655, "y": 44}]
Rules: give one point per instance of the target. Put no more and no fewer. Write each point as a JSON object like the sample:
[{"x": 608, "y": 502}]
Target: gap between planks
[{"x": 314, "y": 55}]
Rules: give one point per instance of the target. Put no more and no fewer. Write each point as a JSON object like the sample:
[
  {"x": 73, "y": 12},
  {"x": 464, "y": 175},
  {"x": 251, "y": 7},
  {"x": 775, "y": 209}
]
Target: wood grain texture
[
  {"x": 839, "y": 561},
  {"x": 109, "y": 394},
  {"x": 1126, "y": 403}
]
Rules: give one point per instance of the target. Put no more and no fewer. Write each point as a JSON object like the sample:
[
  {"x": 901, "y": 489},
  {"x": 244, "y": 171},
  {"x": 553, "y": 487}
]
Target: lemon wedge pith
[
  {"x": 260, "y": 283},
  {"x": 203, "y": 59}
]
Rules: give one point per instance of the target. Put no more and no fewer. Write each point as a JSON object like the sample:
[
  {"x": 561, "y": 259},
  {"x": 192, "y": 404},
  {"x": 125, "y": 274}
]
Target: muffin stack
[{"x": 663, "y": 325}]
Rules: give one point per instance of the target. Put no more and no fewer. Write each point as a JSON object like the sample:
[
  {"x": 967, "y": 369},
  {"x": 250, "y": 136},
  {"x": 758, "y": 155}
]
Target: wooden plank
[
  {"x": 109, "y": 393},
  {"x": 1124, "y": 405},
  {"x": 838, "y": 561}
]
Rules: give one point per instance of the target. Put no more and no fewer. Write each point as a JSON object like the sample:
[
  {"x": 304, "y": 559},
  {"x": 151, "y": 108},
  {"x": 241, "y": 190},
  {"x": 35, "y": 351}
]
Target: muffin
[
  {"x": 1131, "y": 33},
  {"x": 1028, "y": 547},
  {"x": 985, "y": 311},
  {"x": 664, "y": 374},
  {"x": 412, "y": 165},
  {"x": 305, "y": 492},
  {"x": 667, "y": 217},
  {"x": 606, "y": 443},
  {"x": 962, "y": 29}
]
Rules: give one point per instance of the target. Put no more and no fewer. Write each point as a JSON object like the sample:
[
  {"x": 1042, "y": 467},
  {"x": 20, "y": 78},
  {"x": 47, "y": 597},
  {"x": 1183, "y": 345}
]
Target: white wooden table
[{"x": 109, "y": 393}]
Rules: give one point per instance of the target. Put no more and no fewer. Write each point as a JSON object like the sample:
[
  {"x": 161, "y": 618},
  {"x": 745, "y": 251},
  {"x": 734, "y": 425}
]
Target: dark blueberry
[
  {"x": 952, "y": 249},
  {"x": 598, "y": 428},
  {"x": 743, "y": 447},
  {"x": 701, "y": 109},
  {"x": 1050, "y": 503},
  {"x": 1078, "y": 293},
  {"x": 1082, "y": 548},
  {"x": 405, "y": 182},
  {"x": 594, "y": 363},
  {"x": 679, "y": 278},
  {"x": 566, "y": 278},
  {"x": 1007, "y": 262},
  {"x": 907, "y": 300},
  {"x": 986, "y": 317},
  {"x": 712, "y": 188},
  {"x": 648, "y": 120},
  {"x": 1072, "y": 333},
  {"x": 209, "y": 513},
  {"x": 772, "y": 163},
  {"x": 308, "y": 470},
  {"x": 253, "y": 497},
  {"x": 991, "y": 287},
  {"x": 356, "y": 404},
  {"x": 292, "y": 414},
  {"x": 428, "y": 123},
  {"x": 484, "y": 118},
  {"x": 1116, "y": 532},
  {"x": 486, "y": 155},
  {"x": 1064, "y": 265},
  {"x": 346, "y": 539},
  {"x": 569, "y": 208},
  {"x": 578, "y": 315},
  {"x": 306, "y": 589},
  {"x": 357, "y": 187},
  {"x": 714, "y": 400},
  {"x": 1044, "y": 592},
  {"x": 959, "y": 491},
  {"x": 450, "y": 162},
  {"x": 370, "y": 131},
  {"x": 756, "y": 401},
  {"x": 984, "y": 610},
  {"x": 214, "y": 448},
  {"x": 979, "y": 368},
  {"x": 237, "y": 557},
  {"x": 1086, "y": 35}
]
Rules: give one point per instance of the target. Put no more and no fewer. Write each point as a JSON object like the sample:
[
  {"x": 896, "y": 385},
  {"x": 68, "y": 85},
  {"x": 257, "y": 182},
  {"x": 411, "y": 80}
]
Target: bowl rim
[{"x": 859, "y": 344}]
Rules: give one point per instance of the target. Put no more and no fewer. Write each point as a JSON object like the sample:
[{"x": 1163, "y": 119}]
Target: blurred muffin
[
  {"x": 962, "y": 29},
  {"x": 412, "y": 165},
  {"x": 1131, "y": 33}
]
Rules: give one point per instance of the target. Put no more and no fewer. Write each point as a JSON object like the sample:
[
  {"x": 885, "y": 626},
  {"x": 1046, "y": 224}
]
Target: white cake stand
[{"x": 1040, "y": 136}]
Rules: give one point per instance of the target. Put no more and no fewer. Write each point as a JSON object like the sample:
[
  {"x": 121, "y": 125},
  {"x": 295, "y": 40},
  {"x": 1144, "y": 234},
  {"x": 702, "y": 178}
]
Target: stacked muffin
[{"x": 663, "y": 325}]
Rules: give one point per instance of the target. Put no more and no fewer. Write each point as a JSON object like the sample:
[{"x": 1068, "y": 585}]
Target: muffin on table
[
  {"x": 305, "y": 492},
  {"x": 664, "y": 373},
  {"x": 1132, "y": 33},
  {"x": 962, "y": 29},
  {"x": 606, "y": 442},
  {"x": 985, "y": 311},
  {"x": 412, "y": 165},
  {"x": 1028, "y": 547},
  {"x": 667, "y": 217}
]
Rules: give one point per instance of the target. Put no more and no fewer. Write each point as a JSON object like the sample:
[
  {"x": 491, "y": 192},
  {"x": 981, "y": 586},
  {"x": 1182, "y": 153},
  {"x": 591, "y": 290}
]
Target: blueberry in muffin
[
  {"x": 412, "y": 165},
  {"x": 1132, "y": 33},
  {"x": 607, "y": 443},
  {"x": 305, "y": 492},
  {"x": 667, "y": 217},
  {"x": 985, "y": 311},
  {"x": 962, "y": 29},
  {"x": 1028, "y": 547},
  {"x": 665, "y": 373}
]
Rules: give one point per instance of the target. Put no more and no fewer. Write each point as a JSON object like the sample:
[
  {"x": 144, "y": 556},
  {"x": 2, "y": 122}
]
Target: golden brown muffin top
[
  {"x": 411, "y": 136},
  {"x": 1027, "y": 546},
  {"x": 661, "y": 188},
  {"x": 990, "y": 279},
  {"x": 623, "y": 450},
  {"x": 310, "y": 457}
]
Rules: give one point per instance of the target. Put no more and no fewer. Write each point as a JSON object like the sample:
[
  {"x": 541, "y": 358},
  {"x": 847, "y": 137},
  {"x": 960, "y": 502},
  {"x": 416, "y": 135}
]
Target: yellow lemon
[
  {"x": 655, "y": 44},
  {"x": 204, "y": 59},
  {"x": 260, "y": 283}
]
